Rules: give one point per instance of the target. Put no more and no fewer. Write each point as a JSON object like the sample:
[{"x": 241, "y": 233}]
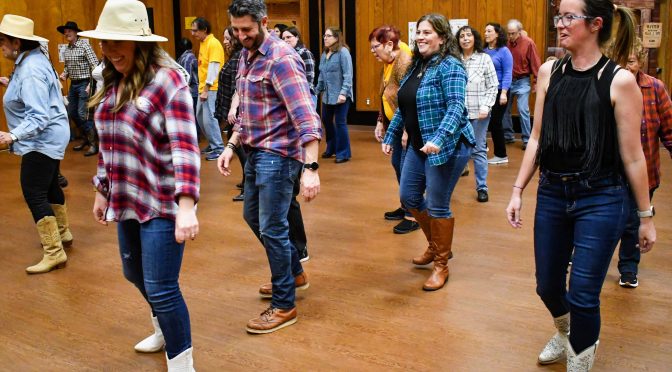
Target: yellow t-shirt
[
  {"x": 387, "y": 73},
  {"x": 211, "y": 50}
]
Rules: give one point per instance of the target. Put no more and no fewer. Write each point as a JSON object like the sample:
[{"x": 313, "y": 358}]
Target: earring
[{"x": 15, "y": 53}]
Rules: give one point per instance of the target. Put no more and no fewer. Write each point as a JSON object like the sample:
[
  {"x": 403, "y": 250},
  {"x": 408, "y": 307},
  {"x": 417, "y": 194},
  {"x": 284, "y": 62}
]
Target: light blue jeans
[
  {"x": 521, "y": 89},
  {"x": 205, "y": 112},
  {"x": 480, "y": 154}
]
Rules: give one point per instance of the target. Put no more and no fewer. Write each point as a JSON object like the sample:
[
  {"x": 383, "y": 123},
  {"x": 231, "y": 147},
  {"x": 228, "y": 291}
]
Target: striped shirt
[
  {"x": 442, "y": 114},
  {"x": 149, "y": 156},
  {"x": 80, "y": 60},
  {"x": 276, "y": 110},
  {"x": 481, "y": 83}
]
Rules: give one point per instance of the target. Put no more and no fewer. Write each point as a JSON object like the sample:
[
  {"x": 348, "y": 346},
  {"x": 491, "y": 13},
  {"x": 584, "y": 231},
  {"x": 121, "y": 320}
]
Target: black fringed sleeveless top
[{"x": 579, "y": 133}]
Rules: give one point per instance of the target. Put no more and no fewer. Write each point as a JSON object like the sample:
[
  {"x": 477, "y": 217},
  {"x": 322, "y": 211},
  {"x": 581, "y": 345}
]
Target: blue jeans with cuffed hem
[
  {"x": 587, "y": 215},
  {"x": 480, "y": 154},
  {"x": 269, "y": 184},
  {"x": 151, "y": 260},
  {"x": 419, "y": 178}
]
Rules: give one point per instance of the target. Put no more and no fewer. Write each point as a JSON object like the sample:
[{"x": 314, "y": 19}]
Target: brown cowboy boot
[
  {"x": 423, "y": 219},
  {"x": 442, "y": 234}
]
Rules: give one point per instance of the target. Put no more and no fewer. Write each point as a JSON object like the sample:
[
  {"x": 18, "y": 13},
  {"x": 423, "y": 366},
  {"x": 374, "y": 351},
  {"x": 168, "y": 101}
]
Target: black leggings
[
  {"x": 496, "y": 130},
  {"x": 39, "y": 183}
]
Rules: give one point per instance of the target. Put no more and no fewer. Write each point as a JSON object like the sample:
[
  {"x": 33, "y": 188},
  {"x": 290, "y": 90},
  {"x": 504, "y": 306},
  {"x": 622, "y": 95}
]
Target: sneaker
[
  {"x": 465, "y": 171},
  {"x": 509, "y": 140},
  {"x": 482, "y": 196},
  {"x": 62, "y": 181},
  {"x": 524, "y": 146},
  {"x": 239, "y": 197},
  {"x": 212, "y": 156},
  {"x": 498, "y": 160},
  {"x": 239, "y": 186},
  {"x": 206, "y": 150},
  {"x": 271, "y": 320},
  {"x": 300, "y": 284},
  {"x": 395, "y": 215},
  {"x": 405, "y": 227},
  {"x": 628, "y": 280},
  {"x": 303, "y": 254}
]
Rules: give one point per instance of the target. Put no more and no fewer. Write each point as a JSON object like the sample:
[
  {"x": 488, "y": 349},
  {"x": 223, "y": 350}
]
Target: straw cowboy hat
[
  {"x": 19, "y": 27},
  {"x": 123, "y": 20}
]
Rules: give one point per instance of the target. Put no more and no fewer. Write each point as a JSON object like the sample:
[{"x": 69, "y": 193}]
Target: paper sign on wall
[
  {"x": 456, "y": 24},
  {"x": 411, "y": 34},
  {"x": 652, "y": 33}
]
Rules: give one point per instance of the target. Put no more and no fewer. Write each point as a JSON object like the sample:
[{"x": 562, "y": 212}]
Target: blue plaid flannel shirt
[{"x": 442, "y": 113}]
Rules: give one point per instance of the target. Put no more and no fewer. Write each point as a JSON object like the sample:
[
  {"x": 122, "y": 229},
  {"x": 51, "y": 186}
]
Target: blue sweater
[{"x": 503, "y": 61}]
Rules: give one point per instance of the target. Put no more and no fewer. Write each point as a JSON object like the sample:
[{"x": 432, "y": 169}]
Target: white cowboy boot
[
  {"x": 582, "y": 362},
  {"x": 154, "y": 342},
  {"x": 184, "y": 362},
  {"x": 555, "y": 349}
]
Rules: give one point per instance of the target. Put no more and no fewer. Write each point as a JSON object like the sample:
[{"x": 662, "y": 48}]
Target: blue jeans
[
  {"x": 151, "y": 260},
  {"x": 480, "y": 154},
  {"x": 334, "y": 119},
  {"x": 269, "y": 183},
  {"x": 628, "y": 253},
  {"x": 205, "y": 112},
  {"x": 78, "y": 101},
  {"x": 397, "y": 159},
  {"x": 587, "y": 215},
  {"x": 520, "y": 88},
  {"x": 439, "y": 181}
]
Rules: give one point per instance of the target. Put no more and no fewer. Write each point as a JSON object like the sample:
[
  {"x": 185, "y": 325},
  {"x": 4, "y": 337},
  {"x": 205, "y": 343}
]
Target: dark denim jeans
[
  {"x": 397, "y": 159},
  {"x": 269, "y": 184},
  {"x": 439, "y": 181},
  {"x": 78, "y": 100},
  {"x": 334, "y": 118},
  {"x": 151, "y": 259},
  {"x": 587, "y": 215},
  {"x": 628, "y": 253}
]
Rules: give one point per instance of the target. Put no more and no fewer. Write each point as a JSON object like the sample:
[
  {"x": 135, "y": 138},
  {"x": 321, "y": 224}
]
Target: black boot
[
  {"x": 82, "y": 145},
  {"x": 92, "y": 137}
]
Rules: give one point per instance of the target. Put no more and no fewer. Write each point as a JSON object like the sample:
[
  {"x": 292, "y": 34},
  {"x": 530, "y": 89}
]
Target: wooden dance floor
[{"x": 365, "y": 309}]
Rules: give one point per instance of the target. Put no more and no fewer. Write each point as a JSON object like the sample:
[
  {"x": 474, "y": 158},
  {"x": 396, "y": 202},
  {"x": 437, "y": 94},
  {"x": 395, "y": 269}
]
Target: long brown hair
[
  {"x": 618, "y": 48},
  {"x": 442, "y": 27},
  {"x": 340, "y": 40}
]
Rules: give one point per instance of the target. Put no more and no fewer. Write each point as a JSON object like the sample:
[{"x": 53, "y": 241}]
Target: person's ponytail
[{"x": 620, "y": 47}]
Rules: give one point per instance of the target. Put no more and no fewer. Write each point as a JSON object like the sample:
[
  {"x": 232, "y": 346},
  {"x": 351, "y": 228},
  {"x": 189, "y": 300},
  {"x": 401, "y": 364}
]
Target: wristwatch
[
  {"x": 647, "y": 213},
  {"x": 312, "y": 166},
  {"x": 13, "y": 137}
]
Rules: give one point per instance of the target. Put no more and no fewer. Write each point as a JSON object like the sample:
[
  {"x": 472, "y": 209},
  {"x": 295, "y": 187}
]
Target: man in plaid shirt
[
  {"x": 80, "y": 60},
  {"x": 280, "y": 128}
]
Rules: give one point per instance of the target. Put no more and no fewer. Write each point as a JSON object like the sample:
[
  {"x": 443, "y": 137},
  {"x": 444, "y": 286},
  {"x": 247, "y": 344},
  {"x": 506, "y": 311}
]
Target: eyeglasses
[
  {"x": 194, "y": 30},
  {"x": 374, "y": 47},
  {"x": 327, "y": 35},
  {"x": 568, "y": 18}
]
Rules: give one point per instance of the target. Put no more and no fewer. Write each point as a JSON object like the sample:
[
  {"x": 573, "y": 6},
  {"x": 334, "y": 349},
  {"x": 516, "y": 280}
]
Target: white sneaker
[{"x": 498, "y": 160}]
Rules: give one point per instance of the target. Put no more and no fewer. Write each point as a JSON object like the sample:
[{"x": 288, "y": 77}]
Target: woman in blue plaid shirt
[{"x": 440, "y": 139}]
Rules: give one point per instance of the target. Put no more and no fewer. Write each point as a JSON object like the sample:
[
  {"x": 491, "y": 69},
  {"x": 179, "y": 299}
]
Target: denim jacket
[
  {"x": 34, "y": 107},
  {"x": 335, "y": 76},
  {"x": 442, "y": 114}
]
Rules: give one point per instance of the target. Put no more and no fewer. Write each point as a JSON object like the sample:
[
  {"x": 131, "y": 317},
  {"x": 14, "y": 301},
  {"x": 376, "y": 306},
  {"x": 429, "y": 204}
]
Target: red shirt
[
  {"x": 656, "y": 124},
  {"x": 526, "y": 61}
]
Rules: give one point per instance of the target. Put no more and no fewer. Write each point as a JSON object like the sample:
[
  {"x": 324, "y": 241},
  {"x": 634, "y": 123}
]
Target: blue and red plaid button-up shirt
[
  {"x": 276, "y": 110},
  {"x": 656, "y": 124},
  {"x": 149, "y": 156}
]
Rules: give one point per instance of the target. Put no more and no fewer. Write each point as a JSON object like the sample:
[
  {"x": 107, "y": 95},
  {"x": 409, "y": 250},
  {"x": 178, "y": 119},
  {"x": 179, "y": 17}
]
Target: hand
[
  {"x": 186, "y": 224},
  {"x": 387, "y": 149},
  {"x": 224, "y": 160},
  {"x": 4, "y": 81},
  {"x": 483, "y": 115},
  {"x": 647, "y": 234},
  {"x": 513, "y": 212},
  {"x": 310, "y": 181},
  {"x": 502, "y": 99},
  {"x": 231, "y": 118},
  {"x": 404, "y": 140},
  {"x": 99, "y": 208},
  {"x": 379, "y": 132},
  {"x": 63, "y": 76},
  {"x": 430, "y": 148},
  {"x": 5, "y": 138},
  {"x": 88, "y": 89},
  {"x": 203, "y": 96},
  {"x": 341, "y": 99}
]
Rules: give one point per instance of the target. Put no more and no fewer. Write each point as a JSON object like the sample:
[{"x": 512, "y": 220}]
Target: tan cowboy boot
[
  {"x": 54, "y": 255},
  {"x": 61, "y": 213},
  {"x": 442, "y": 235}
]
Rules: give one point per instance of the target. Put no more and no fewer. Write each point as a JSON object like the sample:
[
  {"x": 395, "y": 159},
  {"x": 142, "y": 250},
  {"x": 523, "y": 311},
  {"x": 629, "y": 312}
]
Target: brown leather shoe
[
  {"x": 300, "y": 283},
  {"x": 442, "y": 234},
  {"x": 271, "y": 320}
]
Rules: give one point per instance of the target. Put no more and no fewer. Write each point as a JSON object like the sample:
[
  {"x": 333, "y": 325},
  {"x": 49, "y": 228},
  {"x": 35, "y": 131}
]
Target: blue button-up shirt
[
  {"x": 34, "y": 107},
  {"x": 335, "y": 76}
]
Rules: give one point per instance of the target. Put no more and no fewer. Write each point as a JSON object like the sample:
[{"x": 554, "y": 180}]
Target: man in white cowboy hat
[
  {"x": 280, "y": 127},
  {"x": 39, "y": 133},
  {"x": 80, "y": 60},
  {"x": 148, "y": 178}
]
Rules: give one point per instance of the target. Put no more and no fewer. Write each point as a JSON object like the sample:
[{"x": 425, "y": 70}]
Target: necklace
[{"x": 423, "y": 67}]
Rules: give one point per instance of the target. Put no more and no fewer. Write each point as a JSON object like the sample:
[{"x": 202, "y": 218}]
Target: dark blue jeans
[
  {"x": 151, "y": 259},
  {"x": 334, "y": 118},
  {"x": 438, "y": 181},
  {"x": 78, "y": 101},
  {"x": 587, "y": 215},
  {"x": 628, "y": 253},
  {"x": 269, "y": 184},
  {"x": 397, "y": 159}
]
